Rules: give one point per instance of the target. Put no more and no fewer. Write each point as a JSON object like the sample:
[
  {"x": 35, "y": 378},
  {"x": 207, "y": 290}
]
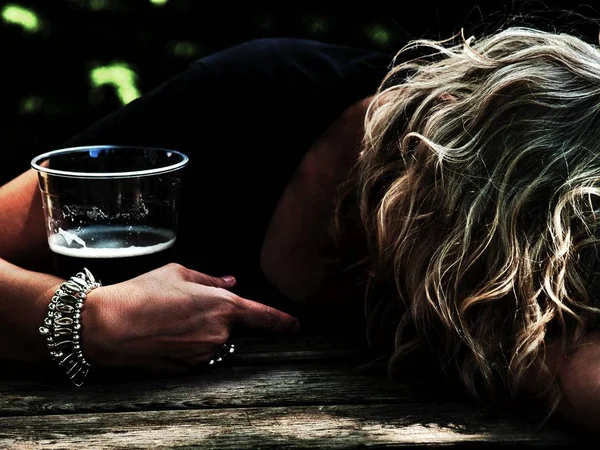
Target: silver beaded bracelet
[{"x": 62, "y": 325}]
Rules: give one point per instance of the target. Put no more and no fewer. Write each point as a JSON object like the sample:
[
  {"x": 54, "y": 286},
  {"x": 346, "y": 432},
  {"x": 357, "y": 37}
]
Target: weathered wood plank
[
  {"x": 251, "y": 350},
  {"x": 326, "y": 427},
  {"x": 299, "y": 384},
  {"x": 277, "y": 349},
  {"x": 267, "y": 374}
]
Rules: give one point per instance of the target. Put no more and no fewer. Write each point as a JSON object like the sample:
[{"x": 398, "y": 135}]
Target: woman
[{"x": 465, "y": 209}]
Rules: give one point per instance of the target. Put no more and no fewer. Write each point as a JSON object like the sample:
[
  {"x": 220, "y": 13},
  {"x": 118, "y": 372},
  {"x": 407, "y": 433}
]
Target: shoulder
[
  {"x": 289, "y": 46},
  {"x": 308, "y": 56}
]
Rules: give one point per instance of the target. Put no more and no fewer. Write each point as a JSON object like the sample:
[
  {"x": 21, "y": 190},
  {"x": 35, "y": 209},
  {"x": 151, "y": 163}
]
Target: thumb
[{"x": 258, "y": 315}]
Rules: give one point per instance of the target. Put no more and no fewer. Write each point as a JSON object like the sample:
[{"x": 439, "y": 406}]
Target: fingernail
[{"x": 228, "y": 279}]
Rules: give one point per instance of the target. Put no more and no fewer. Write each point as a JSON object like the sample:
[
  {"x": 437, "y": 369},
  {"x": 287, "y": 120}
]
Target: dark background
[{"x": 50, "y": 47}]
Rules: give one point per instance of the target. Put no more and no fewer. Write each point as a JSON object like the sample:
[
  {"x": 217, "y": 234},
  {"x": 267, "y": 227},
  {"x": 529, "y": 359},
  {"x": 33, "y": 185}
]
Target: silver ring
[{"x": 225, "y": 351}]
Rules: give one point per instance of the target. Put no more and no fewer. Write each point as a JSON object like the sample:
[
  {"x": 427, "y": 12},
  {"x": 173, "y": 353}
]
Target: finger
[
  {"x": 194, "y": 276},
  {"x": 258, "y": 315}
]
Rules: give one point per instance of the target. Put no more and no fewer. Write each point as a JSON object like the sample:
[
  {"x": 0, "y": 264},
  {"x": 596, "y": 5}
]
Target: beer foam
[
  {"x": 57, "y": 243},
  {"x": 70, "y": 237},
  {"x": 121, "y": 252}
]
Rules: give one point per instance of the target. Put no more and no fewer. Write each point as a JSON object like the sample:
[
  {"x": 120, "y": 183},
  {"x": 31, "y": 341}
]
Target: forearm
[
  {"x": 579, "y": 377},
  {"x": 23, "y": 306},
  {"x": 22, "y": 233}
]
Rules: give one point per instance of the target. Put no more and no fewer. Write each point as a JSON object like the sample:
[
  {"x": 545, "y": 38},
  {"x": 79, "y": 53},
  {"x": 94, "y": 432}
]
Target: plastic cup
[{"x": 110, "y": 208}]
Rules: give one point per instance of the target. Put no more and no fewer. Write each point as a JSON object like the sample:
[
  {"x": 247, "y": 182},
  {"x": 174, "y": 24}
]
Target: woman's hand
[{"x": 171, "y": 318}]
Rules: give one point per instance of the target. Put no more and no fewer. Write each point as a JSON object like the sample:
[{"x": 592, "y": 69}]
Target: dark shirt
[{"x": 245, "y": 116}]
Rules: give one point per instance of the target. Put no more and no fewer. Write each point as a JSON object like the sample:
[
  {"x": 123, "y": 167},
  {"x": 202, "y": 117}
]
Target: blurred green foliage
[
  {"x": 70, "y": 62},
  {"x": 67, "y": 63},
  {"x": 120, "y": 77},
  {"x": 14, "y": 14}
]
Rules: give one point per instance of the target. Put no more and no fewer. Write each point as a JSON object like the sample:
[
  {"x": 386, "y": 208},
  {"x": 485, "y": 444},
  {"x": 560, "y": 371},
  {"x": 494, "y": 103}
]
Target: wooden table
[{"x": 276, "y": 392}]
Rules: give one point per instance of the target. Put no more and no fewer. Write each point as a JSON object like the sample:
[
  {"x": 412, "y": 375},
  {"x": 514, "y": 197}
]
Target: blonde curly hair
[{"x": 479, "y": 188}]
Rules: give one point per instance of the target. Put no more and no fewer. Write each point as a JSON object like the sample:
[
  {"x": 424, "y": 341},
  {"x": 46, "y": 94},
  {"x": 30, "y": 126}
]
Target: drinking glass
[{"x": 110, "y": 208}]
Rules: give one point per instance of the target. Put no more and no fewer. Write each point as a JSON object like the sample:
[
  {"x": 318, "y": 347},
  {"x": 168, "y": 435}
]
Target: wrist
[{"x": 95, "y": 332}]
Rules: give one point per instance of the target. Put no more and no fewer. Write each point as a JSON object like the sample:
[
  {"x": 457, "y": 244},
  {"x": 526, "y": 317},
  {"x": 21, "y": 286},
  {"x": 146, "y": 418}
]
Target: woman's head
[{"x": 479, "y": 187}]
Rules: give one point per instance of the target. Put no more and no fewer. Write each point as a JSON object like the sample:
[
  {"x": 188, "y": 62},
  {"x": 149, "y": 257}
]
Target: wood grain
[
  {"x": 275, "y": 392},
  {"x": 326, "y": 427},
  {"x": 222, "y": 387}
]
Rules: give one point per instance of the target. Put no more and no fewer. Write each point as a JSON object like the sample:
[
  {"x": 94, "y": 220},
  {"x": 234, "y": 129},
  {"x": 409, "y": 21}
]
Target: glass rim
[{"x": 35, "y": 162}]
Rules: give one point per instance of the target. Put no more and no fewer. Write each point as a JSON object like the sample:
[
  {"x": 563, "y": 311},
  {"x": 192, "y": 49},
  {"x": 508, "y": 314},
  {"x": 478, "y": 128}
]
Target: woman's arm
[
  {"x": 170, "y": 318},
  {"x": 23, "y": 305},
  {"x": 22, "y": 233},
  {"x": 579, "y": 378},
  {"x": 292, "y": 252},
  {"x": 25, "y": 294}
]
